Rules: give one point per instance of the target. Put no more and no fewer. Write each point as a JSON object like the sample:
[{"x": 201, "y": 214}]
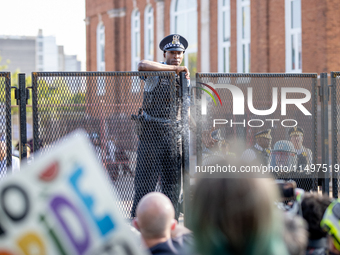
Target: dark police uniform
[
  {"x": 158, "y": 153},
  {"x": 257, "y": 153},
  {"x": 304, "y": 160}
]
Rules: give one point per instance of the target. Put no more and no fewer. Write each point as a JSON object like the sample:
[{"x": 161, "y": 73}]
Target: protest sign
[{"x": 62, "y": 204}]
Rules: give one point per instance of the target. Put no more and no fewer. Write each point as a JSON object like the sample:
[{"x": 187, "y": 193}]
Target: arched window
[
  {"x": 148, "y": 33},
  {"x": 243, "y": 36},
  {"x": 224, "y": 36},
  {"x": 135, "y": 39},
  {"x": 100, "y": 47},
  {"x": 183, "y": 15},
  {"x": 293, "y": 36}
]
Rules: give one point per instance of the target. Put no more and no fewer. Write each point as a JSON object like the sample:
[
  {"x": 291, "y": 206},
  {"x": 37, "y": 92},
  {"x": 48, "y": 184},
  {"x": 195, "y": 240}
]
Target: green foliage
[{"x": 56, "y": 97}]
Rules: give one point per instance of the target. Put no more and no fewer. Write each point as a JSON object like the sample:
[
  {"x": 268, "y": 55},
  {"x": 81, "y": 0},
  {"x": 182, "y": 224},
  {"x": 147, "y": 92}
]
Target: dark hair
[{"x": 313, "y": 207}]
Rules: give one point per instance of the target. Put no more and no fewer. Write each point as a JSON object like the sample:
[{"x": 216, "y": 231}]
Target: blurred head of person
[
  {"x": 283, "y": 154},
  {"x": 331, "y": 224},
  {"x": 313, "y": 207},
  {"x": 155, "y": 218},
  {"x": 295, "y": 234},
  {"x": 236, "y": 216},
  {"x": 217, "y": 137}
]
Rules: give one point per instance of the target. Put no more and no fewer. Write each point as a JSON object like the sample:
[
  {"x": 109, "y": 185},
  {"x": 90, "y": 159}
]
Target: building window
[
  {"x": 41, "y": 60},
  {"x": 101, "y": 47},
  {"x": 148, "y": 33},
  {"x": 40, "y": 46},
  {"x": 293, "y": 36},
  {"x": 101, "y": 58},
  {"x": 183, "y": 15},
  {"x": 243, "y": 36},
  {"x": 224, "y": 36},
  {"x": 135, "y": 39}
]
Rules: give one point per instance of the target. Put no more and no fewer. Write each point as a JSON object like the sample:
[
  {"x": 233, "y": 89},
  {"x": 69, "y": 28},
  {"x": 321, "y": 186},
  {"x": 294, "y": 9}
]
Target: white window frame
[
  {"x": 100, "y": 57},
  {"x": 148, "y": 32},
  {"x": 296, "y": 32},
  {"x": 100, "y": 44},
  {"x": 135, "y": 40},
  {"x": 192, "y": 48},
  {"x": 243, "y": 67},
  {"x": 223, "y": 46}
]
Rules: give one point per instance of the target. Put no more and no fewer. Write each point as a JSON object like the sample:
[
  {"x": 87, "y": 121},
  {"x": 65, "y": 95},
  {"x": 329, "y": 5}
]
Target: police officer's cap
[
  {"x": 173, "y": 42},
  {"x": 285, "y": 146},
  {"x": 295, "y": 131},
  {"x": 264, "y": 133}
]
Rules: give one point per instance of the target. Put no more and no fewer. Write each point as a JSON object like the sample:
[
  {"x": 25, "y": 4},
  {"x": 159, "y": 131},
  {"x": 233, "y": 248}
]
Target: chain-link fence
[
  {"x": 132, "y": 118},
  {"x": 5, "y": 120},
  {"x": 270, "y": 119},
  {"x": 335, "y": 138},
  {"x": 135, "y": 122}
]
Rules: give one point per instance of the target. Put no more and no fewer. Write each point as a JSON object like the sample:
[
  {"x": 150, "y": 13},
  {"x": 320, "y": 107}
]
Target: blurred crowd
[
  {"x": 236, "y": 216},
  {"x": 242, "y": 216}
]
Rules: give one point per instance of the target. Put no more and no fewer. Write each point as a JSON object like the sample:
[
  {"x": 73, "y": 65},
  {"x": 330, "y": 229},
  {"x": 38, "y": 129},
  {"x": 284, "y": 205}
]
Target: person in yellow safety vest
[{"x": 331, "y": 224}]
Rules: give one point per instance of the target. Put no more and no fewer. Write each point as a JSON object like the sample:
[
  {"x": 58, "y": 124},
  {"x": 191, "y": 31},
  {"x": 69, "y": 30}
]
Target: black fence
[
  {"x": 139, "y": 126},
  {"x": 133, "y": 120},
  {"x": 5, "y": 126},
  {"x": 252, "y": 118},
  {"x": 335, "y": 111}
]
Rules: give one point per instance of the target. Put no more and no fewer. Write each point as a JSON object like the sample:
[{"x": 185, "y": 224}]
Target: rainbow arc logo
[{"x": 209, "y": 93}]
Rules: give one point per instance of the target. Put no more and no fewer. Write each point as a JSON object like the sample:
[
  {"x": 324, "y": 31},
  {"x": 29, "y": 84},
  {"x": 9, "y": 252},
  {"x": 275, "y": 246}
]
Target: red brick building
[{"x": 224, "y": 35}]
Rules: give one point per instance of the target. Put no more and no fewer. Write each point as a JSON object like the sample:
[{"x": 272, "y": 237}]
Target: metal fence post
[
  {"x": 36, "y": 144},
  {"x": 185, "y": 147},
  {"x": 324, "y": 132},
  {"x": 198, "y": 119},
  {"x": 8, "y": 120},
  {"x": 315, "y": 129},
  {"x": 21, "y": 101},
  {"x": 334, "y": 131}
]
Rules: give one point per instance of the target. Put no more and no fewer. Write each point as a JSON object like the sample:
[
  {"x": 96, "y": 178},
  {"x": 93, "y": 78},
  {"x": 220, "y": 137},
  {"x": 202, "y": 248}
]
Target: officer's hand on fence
[
  {"x": 183, "y": 69},
  {"x": 207, "y": 139}
]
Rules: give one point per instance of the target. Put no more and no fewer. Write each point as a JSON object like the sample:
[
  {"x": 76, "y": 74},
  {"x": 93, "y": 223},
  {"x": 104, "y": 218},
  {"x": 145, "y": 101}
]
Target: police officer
[
  {"x": 260, "y": 152},
  {"x": 304, "y": 154},
  {"x": 158, "y": 156},
  {"x": 304, "y": 158},
  {"x": 283, "y": 156}
]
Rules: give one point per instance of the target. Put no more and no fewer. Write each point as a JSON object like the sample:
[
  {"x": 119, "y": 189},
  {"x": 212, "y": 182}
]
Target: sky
[{"x": 63, "y": 19}]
